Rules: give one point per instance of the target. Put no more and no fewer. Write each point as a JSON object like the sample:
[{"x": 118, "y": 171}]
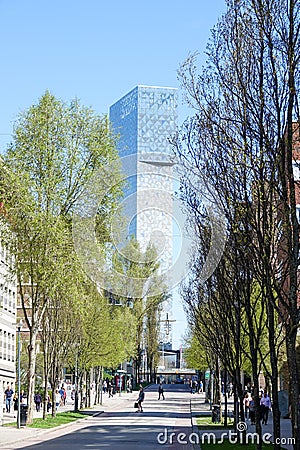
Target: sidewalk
[
  {"x": 200, "y": 408},
  {"x": 10, "y": 435}
]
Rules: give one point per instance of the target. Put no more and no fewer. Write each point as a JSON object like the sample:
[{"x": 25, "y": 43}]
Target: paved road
[{"x": 122, "y": 428}]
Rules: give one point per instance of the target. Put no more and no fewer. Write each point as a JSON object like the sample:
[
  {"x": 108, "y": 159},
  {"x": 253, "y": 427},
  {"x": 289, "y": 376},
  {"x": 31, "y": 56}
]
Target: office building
[{"x": 144, "y": 120}]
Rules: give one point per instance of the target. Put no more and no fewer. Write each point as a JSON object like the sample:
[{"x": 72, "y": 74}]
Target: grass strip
[
  {"x": 206, "y": 423},
  {"x": 52, "y": 422}
]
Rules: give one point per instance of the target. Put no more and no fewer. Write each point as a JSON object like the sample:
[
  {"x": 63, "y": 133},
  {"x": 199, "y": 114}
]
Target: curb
[{"x": 42, "y": 431}]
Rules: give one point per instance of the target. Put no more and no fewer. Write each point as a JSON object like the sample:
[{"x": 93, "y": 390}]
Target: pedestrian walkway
[
  {"x": 200, "y": 408},
  {"x": 12, "y": 416},
  {"x": 12, "y": 437}
]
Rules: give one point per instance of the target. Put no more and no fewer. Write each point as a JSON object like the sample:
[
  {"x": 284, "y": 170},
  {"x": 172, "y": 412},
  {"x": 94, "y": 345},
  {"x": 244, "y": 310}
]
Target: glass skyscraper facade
[{"x": 144, "y": 120}]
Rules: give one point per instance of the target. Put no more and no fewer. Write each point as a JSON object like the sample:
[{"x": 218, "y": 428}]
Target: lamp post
[{"x": 19, "y": 326}]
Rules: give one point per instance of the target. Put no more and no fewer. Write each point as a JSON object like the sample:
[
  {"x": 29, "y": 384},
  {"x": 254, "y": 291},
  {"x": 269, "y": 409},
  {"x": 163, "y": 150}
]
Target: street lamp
[{"x": 19, "y": 326}]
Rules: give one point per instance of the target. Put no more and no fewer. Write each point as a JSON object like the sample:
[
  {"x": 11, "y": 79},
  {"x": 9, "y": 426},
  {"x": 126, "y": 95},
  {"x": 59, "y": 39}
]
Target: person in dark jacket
[
  {"x": 38, "y": 401},
  {"x": 161, "y": 391},
  {"x": 140, "y": 399}
]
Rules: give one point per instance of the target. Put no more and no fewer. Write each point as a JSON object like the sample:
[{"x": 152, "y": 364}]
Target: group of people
[
  {"x": 141, "y": 396},
  {"x": 265, "y": 407},
  {"x": 11, "y": 399},
  {"x": 195, "y": 386}
]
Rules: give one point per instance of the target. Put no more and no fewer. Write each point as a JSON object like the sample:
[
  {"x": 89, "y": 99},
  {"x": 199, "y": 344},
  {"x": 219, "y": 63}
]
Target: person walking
[
  {"x": 246, "y": 405},
  {"x": 252, "y": 410},
  {"x": 109, "y": 389},
  {"x": 49, "y": 404},
  {"x": 38, "y": 401},
  {"x": 8, "y": 398},
  {"x": 57, "y": 399},
  {"x": 265, "y": 404},
  {"x": 15, "y": 400},
  {"x": 161, "y": 391},
  {"x": 200, "y": 386},
  {"x": 140, "y": 399}
]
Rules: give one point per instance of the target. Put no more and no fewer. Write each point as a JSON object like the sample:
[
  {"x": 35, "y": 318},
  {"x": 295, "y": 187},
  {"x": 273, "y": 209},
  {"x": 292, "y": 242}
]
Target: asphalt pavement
[
  {"x": 165, "y": 424},
  {"x": 116, "y": 425}
]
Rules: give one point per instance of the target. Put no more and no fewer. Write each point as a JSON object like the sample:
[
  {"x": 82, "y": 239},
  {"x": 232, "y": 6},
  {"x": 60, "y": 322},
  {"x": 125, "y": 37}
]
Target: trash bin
[
  {"x": 215, "y": 414},
  {"x": 23, "y": 415}
]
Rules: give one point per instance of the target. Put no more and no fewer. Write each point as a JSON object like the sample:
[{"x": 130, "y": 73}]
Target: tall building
[
  {"x": 8, "y": 296},
  {"x": 144, "y": 120}
]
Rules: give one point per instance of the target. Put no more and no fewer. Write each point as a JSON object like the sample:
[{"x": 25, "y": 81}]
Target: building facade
[
  {"x": 8, "y": 296},
  {"x": 144, "y": 120}
]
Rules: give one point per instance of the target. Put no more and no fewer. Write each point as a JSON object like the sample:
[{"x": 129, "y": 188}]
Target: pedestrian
[
  {"x": 62, "y": 393},
  {"x": 38, "y": 401},
  {"x": 129, "y": 386},
  {"x": 57, "y": 399},
  {"x": 201, "y": 386},
  {"x": 49, "y": 404},
  {"x": 252, "y": 410},
  {"x": 104, "y": 386},
  {"x": 23, "y": 397},
  {"x": 15, "y": 400},
  {"x": 140, "y": 399},
  {"x": 64, "y": 396},
  {"x": 109, "y": 389},
  {"x": 265, "y": 405},
  {"x": 246, "y": 405},
  {"x": 193, "y": 386},
  {"x": 161, "y": 391},
  {"x": 8, "y": 398}
]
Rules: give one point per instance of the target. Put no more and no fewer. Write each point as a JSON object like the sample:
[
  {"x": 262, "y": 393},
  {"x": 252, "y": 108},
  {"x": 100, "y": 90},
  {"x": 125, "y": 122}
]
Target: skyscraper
[{"x": 144, "y": 119}]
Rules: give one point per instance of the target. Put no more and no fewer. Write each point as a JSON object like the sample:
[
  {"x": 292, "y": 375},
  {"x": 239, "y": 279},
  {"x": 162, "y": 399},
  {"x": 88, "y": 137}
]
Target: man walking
[
  {"x": 161, "y": 391},
  {"x": 265, "y": 404},
  {"x": 140, "y": 399},
  {"x": 110, "y": 389},
  {"x": 8, "y": 398},
  {"x": 38, "y": 401}
]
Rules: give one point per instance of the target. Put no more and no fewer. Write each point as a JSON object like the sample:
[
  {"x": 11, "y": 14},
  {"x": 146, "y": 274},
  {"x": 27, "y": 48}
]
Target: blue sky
[{"x": 96, "y": 50}]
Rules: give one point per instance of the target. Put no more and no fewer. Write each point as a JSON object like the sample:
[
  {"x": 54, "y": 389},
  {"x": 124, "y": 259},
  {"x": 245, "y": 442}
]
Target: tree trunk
[
  {"x": 31, "y": 374},
  {"x": 53, "y": 389},
  {"x": 293, "y": 383},
  {"x": 274, "y": 375},
  {"x": 45, "y": 397}
]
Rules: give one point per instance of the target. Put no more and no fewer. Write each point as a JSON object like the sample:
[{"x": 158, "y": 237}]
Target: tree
[
  {"x": 246, "y": 106},
  {"x": 56, "y": 149},
  {"x": 145, "y": 288}
]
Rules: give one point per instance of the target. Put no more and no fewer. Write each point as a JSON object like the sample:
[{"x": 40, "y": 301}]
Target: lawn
[
  {"x": 51, "y": 422},
  {"x": 205, "y": 423}
]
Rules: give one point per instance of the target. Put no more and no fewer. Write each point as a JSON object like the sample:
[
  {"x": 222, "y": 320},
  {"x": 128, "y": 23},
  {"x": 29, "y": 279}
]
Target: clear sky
[{"x": 96, "y": 50}]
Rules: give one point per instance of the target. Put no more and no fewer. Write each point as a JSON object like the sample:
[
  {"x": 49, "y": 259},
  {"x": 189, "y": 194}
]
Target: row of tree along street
[
  {"x": 237, "y": 155},
  {"x": 56, "y": 150}
]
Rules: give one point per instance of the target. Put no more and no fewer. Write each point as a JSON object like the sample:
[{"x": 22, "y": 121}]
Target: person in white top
[
  {"x": 57, "y": 399},
  {"x": 265, "y": 406}
]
